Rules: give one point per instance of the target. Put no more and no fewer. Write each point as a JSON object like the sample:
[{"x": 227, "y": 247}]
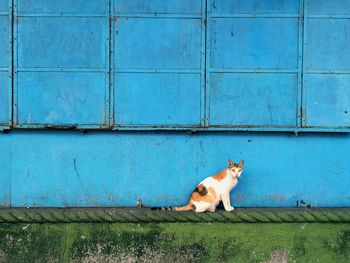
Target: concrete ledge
[{"x": 146, "y": 215}]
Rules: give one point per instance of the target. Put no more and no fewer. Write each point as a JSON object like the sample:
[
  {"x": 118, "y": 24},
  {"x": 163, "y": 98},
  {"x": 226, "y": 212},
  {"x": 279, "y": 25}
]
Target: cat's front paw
[{"x": 229, "y": 209}]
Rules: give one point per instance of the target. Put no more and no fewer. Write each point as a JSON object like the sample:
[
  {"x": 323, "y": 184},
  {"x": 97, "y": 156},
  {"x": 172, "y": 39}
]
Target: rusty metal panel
[
  {"x": 5, "y": 64},
  {"x": 62, "y": 64},
  {"x": 326, "y": 99},
  {"x": 253, "y": 63},
  {"x": 158, "y": 63}
]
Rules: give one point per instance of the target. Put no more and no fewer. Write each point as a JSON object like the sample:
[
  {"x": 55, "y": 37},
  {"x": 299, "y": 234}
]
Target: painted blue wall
[
  {"x": 115, "y": 169},
  {"x": 219, "y": 65}
]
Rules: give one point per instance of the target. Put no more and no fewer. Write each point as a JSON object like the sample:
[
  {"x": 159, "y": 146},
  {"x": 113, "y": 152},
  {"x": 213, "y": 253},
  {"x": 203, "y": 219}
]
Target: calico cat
[{"x": 212, "y": 190}]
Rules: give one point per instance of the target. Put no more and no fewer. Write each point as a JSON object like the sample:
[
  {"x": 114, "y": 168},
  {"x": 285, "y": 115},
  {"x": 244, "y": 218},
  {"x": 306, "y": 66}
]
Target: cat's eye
[{"x": 240, "y": 170}]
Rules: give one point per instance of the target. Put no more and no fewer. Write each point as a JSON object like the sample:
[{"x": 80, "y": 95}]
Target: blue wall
[
  {"x": 112, "y": 169},
  {"x": 218, "y": 65}
]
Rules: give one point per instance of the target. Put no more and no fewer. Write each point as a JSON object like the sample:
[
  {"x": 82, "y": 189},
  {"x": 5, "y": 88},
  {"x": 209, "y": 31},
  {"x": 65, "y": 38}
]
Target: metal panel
[
  {"x": 86, "y": 175},
  {"x": 255, "y": 7},
  {"x": 62, "y": 62},
  {"x": 253, "y": 99},
  {"x": 4, "y": 37},
  {"x": 327, "y": 100},
  {"x": 158, "y": 43},
  {"x": 174, "y": 96},
  {"x": 102, "y": 169},
  {"x": 327, "y": 65},
  {"x": 254, "y": 59},
  {"x": 5, "y": 173},
  {"x": 64, "y": 37},
  {"x": 53, "y": 101},
  {"x": 158, "y": 63},
  {"x": 62, "y": 6},
  {"x": 259, "y": 43},
  {"x": 5, "y": 64},
  {"x": 333, "y": 54},
  {"x": 158, "y": 7},
  {"x": 326, "y": 7}
]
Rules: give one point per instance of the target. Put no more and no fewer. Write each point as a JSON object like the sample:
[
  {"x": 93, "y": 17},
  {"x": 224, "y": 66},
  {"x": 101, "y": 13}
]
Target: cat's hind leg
[{"x": 201, "y": 206}]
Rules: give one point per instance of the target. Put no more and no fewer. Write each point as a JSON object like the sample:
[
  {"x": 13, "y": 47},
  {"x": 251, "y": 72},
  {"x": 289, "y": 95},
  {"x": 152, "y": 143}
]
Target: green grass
[{"x": 175, "y": 242}]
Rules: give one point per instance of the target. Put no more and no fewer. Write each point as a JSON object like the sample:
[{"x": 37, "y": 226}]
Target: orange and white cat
[{"x": 212, "y": 190}]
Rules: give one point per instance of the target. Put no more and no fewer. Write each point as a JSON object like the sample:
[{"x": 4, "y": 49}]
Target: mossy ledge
[{"x": 146, "y": 215}]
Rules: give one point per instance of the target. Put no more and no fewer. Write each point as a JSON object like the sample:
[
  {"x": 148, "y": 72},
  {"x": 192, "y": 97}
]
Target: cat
[{"x": 212, "y": 190}]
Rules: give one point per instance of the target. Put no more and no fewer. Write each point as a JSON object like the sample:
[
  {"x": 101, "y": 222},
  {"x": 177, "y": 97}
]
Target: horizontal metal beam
[
  {"x": 57, "y": 14},
  {"x": 158, "y": 15},
  {"x": 52, "y": 69},
  {"x": 177, "y": 128},
  {"x": 257, "y": 15},
  {"x": 252, "y": 70}
]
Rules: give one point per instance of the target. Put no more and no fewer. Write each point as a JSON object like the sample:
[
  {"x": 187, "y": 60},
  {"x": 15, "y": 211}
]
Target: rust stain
[{"x": 277, "y": 198}]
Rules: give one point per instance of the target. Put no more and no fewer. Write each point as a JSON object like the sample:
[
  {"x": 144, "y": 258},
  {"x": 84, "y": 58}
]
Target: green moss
[
  {"x": 31, "y": 243},
  {"x": 177, "y": 242}
]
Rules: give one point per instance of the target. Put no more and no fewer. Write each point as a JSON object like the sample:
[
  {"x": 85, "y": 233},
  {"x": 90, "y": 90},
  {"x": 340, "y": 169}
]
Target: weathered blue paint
[
  {"x": 62, "y": 63},
  {"x": 161, "y": 65},
  {"x": 113, "y": 169},
  {"x": 132, "y": 63},
  {"x": 272, "y": 99},
  {"x": 209, "y": 65},
  {"x": 158, "y": 99},
  {"x": 327, "y": 55},
  {"x": 254, "y": 53}
]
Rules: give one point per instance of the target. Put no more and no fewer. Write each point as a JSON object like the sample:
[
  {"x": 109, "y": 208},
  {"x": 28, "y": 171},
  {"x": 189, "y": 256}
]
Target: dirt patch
[{"x": 279, "y": 255}]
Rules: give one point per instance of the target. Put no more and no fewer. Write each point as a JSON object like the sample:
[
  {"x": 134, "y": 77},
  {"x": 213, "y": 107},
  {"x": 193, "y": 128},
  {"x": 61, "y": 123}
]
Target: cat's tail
[{"x": 187, "y": 207}]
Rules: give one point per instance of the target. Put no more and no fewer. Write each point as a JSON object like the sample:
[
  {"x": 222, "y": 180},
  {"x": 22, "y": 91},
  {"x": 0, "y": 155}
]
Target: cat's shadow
[{"x": 220, "y": 206}]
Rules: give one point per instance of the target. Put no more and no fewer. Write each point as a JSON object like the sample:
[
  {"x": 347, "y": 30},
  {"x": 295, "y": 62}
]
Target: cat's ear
[
  {"x": 241, "y": 163},
  {"x": 230, "y": 163}
]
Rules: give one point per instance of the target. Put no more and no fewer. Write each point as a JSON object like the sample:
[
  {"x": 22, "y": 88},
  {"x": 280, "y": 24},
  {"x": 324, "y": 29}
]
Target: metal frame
[
  {"x": 300, "y": 64},
  {"x": 201, "y": 71},
  {"x": 306, "y": 72},
  {"x": 206, "y": 15},
  {"x": 6, "y": 126},
  {"x": 106, "y": 68},
  {"x": 210, "y": 70}
]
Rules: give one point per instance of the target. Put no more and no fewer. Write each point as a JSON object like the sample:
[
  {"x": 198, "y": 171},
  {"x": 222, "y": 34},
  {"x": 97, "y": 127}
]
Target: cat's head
[{"x": 235, "y": 169}]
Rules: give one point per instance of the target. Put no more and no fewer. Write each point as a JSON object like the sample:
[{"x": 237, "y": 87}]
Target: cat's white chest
[{"x": 228, "y": 184}]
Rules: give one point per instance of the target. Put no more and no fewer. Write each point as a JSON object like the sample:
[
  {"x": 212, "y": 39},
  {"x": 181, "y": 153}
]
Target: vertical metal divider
[
  {"x": 10, "y": 65},
  {"x": 207, "y": 65},
  {"x": 304, "y": 72},
  {"x": 203, "y": 61},
  {"x": 109, "y": 66},
  {"x": 14, "y": 65},
  {"x": 300, "y": 65}
]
